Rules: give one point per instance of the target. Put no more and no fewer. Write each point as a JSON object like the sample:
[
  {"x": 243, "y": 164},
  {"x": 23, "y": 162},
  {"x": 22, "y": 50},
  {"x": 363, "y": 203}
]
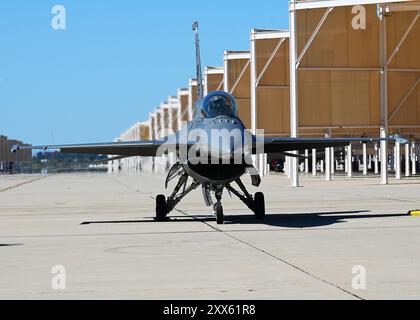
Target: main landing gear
[
  {"x": 256, "y": 204},
  {"x": 165, "y": 206}
]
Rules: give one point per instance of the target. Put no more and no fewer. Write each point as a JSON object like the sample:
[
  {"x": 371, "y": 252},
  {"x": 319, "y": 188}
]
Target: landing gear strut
[
  {"x": 218, "y": 208},
  {"x": 165, "y": 206},
  {"x": 256, "y": 203}
]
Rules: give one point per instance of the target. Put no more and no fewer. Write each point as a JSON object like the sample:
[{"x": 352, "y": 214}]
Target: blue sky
[{"x": 115, "y": 62}]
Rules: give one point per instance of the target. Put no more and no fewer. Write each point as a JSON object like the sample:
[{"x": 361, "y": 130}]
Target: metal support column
[
  {"x": 397, "y": 159},
  {"x": 384, "y": 101},
  {"x": 314, "y": 161},
  {"x": 346, "y": 163},
  {"x": 350, "y": 161},
  {"x": 293, "y": 90},
  {"x": 376, "y": 159},
  {"x": 365, "y": 160},
  {"x": 328, "y": 163},
  {"x": 407, "y": 159},
  {"x": 413, "y": 159},
  {"x": 307, "y": 161},
  {"x": 260, "y": 164},
  {"x": 256, "y": 159},
  {"x": 226, "y": 74}
]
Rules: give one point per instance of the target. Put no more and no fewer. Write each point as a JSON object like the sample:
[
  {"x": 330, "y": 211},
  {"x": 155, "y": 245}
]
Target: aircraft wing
[
  {"x": 127, "y": 149},
  {"x": 279, "y": 145}
]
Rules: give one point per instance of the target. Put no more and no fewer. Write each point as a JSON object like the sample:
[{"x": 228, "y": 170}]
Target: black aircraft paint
[{"x": 209, "y": 163}]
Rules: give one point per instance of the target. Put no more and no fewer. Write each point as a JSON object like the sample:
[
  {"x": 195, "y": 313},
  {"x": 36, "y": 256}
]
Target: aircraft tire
[
  {"x": 219, "y": 214},
  {"x": 161, "y": 208},
  {"x": 259, "y": 202}
]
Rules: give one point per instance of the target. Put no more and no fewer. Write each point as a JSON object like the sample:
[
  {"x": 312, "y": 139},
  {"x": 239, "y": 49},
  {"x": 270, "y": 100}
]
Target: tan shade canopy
[{"x": 339, "y": 73}]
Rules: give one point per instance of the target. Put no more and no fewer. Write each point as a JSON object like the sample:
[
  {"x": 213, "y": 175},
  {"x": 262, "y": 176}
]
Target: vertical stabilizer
[{"x": 200, "y": 89}]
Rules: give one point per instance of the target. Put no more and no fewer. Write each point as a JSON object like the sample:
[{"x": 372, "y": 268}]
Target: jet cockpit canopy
[{"x": 219, "y": 103}]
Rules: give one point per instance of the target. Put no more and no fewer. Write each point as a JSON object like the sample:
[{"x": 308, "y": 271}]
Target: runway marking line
[{"x": 22, "y": 184}]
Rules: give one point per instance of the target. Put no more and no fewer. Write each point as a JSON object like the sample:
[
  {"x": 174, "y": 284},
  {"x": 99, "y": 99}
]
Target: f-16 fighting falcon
[{"x": 214, "y": 152}]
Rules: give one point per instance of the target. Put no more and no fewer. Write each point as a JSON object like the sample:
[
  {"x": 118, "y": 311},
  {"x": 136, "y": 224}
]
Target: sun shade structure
[
  {"x": 213, "y": 79},
  {"x": 355, "y": 68},
  {"x": 159, "y": 124},
  {"x": 192, "y": 97},
  {"x": 237, "y": 81},
  {"x": 153, "y": 125},
  {"x": 174, "y": 115},
  {"x": 140, "y": 131},
  {"x": 270, "y": 84},
  {"x": 183, "y": 100},
  {"x": 165, "y": 119}
]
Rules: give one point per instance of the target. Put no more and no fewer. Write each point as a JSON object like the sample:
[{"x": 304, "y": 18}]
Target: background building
[{"x": 13, "y": 162}]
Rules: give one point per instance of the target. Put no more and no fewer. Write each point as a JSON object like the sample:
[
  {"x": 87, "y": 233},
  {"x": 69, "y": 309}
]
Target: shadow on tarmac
[
  {"x": 2, "y": 245},
  {"x": 308, "y": 220},
  {"x": 301, "y": 220}
]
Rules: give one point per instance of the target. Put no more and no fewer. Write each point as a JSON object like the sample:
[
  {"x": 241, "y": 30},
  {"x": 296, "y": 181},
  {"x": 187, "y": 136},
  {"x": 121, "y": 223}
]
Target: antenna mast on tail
[{"x": 200, "y": 89}]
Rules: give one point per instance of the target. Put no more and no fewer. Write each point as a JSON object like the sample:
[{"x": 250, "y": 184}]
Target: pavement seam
[
  {"x": 274, "y": 257},
  {"x": 22, "y": 184}
]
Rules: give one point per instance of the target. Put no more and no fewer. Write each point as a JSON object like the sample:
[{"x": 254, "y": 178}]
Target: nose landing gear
[
  {"x": 218, "y": 209},
  {"x": 256, "y": 203}
]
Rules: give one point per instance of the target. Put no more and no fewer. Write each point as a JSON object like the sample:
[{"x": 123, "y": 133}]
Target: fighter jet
[{"x": 214, "y": 151}]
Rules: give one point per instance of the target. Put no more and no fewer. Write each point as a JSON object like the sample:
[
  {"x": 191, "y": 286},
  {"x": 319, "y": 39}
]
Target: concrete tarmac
[{"x": 100, "y": 228}]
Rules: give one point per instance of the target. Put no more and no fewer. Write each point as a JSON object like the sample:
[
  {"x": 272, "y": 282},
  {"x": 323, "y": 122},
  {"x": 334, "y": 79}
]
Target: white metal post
[
  {"x": 328, "y": 163},
  {"x": 256, "y": 159},
  {"x": 260, "y": 164},
  {"x": 397, "y": 159},
  {"x": 314, "y": 160},
  {"x": 206, "y": 81},
  {"x": 307, "y": 161},
  {"x": 346, "y": 166},
  {"x": 332, "y": 161},
  {"x": 293, "y": 89},
  {"x": 350, "y": 161},
  {"x": 226, "y": 73},
  {"x": 365, "y": 160},
  {"x": 253, "y": 84},
  {"x": 384, "y": 101},
  {"x": 376, "y": 159},
  {"x": 266, "y": 165},
  {"x": 413, "y": 158},
  {"x": 407, "y": 159},
  {"x": 416, "y": 152}
]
